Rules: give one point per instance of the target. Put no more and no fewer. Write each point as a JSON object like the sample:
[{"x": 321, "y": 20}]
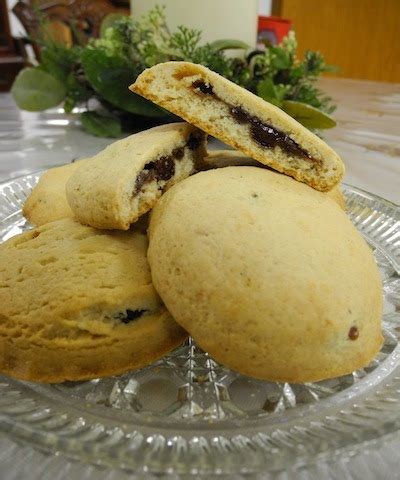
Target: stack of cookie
[{"x": 262, "y": 268}]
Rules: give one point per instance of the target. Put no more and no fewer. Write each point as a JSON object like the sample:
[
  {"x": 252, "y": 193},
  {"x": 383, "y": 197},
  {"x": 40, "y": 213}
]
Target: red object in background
[{"x": 273, "y": 29}]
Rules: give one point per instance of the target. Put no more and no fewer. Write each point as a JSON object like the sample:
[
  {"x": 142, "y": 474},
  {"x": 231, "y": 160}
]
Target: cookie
[
  {"x": 78, "y": 303},
  {"x": 124, "y": 181},
  {"x": 230, "y": 158},
  {"x": 268, "y": 276},
  {"x": 48, "y": 201},
  {"x": 242, "y": 120},
  {"x": 337, "y": 196}
]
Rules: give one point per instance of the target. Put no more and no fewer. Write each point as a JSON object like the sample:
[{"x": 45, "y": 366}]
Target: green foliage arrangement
[{"x": 105, "y": 67}]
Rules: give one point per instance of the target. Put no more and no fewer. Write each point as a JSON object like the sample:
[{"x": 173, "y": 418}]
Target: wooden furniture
[
  {"x": 359, "y": 36},
  {"x": 10, "y": 60},
  {"x": 67, "y": 21}
]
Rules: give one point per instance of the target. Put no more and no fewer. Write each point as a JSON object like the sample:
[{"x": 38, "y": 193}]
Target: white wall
[
  {"x": 216, "y": 19},
  {"x": 264, "y": 7},
  {"x": 17, "y": 30}
]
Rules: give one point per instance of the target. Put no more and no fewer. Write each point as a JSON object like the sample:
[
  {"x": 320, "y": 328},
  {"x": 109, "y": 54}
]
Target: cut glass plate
[{"x": 188, "y": 415}]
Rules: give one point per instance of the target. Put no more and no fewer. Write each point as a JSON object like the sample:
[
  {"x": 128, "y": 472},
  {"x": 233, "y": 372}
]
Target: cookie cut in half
[
  {"x": 78, "y": 303},
  {"x": 268, "y": 275},
  {"x": 48, "y": 202},
  {"x": 117, "y": 186},
  {"x": 242, "y": 120}
]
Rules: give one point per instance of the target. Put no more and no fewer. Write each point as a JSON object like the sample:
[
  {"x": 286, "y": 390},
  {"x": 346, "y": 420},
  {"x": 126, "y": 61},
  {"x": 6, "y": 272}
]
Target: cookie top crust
[
  {"x": 269, "y": 276},
  {"x": 78, "y": 303},
  {"x": 67, "y": 270},
  {"x": 231, "y": 158}
]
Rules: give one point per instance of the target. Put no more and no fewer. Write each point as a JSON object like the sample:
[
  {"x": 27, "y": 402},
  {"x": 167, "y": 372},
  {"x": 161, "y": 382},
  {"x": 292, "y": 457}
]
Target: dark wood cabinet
[
  {"x": 10, "y": 61},
  {"x": 6, "y": 44}
]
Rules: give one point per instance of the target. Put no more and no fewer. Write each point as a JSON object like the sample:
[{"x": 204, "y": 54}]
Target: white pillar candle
[{"x": 217, "y": 19}]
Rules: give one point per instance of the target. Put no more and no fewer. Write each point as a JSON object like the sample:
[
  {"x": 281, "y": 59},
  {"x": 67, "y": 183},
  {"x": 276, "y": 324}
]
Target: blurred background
[{"x": 358, "y": 36}]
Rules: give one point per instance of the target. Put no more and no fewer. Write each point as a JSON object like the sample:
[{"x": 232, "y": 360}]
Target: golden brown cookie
[
  {"x": 78, "y": 303},
  {"x": 117, "y": 186},
  {"x": 267, "y": 275}
]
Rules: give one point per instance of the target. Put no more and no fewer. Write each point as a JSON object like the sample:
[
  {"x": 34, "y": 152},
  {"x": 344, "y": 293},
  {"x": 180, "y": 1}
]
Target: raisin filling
[
  {"x": 194, "y": 141},
  {"x": 262, "y": 133},
  {"x": 161, "y": 169},
  {"x": 129, "y": 315},
  {"x": 268, "y": 136},
  {"x": 205, "y": 88},
  {"x": 143, "y": 177}
]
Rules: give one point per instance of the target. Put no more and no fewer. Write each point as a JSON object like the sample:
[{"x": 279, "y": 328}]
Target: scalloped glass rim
[{"x": 360, "y": 414}]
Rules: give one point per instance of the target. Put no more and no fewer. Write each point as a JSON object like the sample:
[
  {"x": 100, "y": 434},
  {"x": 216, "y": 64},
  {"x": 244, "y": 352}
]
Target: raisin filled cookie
[
  {"x": 269, "y": 276},
  {"x": 78, "y": 303},
  {"x": 117, "y": 186},
  {"x": 242, "y": 120}
]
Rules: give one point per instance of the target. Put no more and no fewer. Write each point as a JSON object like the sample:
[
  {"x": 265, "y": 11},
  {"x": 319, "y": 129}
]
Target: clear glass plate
[{"x": 186, "y": 414}]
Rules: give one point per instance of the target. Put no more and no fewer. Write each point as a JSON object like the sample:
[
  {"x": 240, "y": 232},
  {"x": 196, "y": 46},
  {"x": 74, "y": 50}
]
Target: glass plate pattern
[{"x": 186, "y": 414}]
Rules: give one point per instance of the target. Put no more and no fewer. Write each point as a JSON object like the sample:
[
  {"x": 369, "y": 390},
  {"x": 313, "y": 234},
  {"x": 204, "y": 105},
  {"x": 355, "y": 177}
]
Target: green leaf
[
  {"x": 101, "y": 125},
  {"x": 297, "y": 72},
  {"x": 229, "y": 44},
  {"x": 78, "y": 91},
  {"x": 69, "y": 105},
  {"x": 109, "y": 21},
  {"x": 58, "y": 60},
  {"x": 36, "y": 90},
  {"x": 111, "y": 77},
  {"x": 280, "y": 59},
  {"x": 266, "y": 90},
  {"x": 270, "y": 92},
  {"x": 307, "y": 115}
]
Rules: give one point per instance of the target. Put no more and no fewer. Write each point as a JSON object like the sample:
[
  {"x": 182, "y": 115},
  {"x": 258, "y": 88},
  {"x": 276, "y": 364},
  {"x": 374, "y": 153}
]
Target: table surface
[{"x": 367, "y": 138}]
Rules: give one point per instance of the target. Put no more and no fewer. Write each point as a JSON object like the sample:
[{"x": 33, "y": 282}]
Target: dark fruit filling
[
  {"x": 194, "y": 141},
  {"x": 129, "y": 315},
  {"x": 161, "y": 169},
  {"x": 268, "y": 136},
  {"x": 262, "y": 133},
  {"x": 143, "y": 177},
  {"x": 164, "y": 168},
  {"x": 203, "y": 87}
]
